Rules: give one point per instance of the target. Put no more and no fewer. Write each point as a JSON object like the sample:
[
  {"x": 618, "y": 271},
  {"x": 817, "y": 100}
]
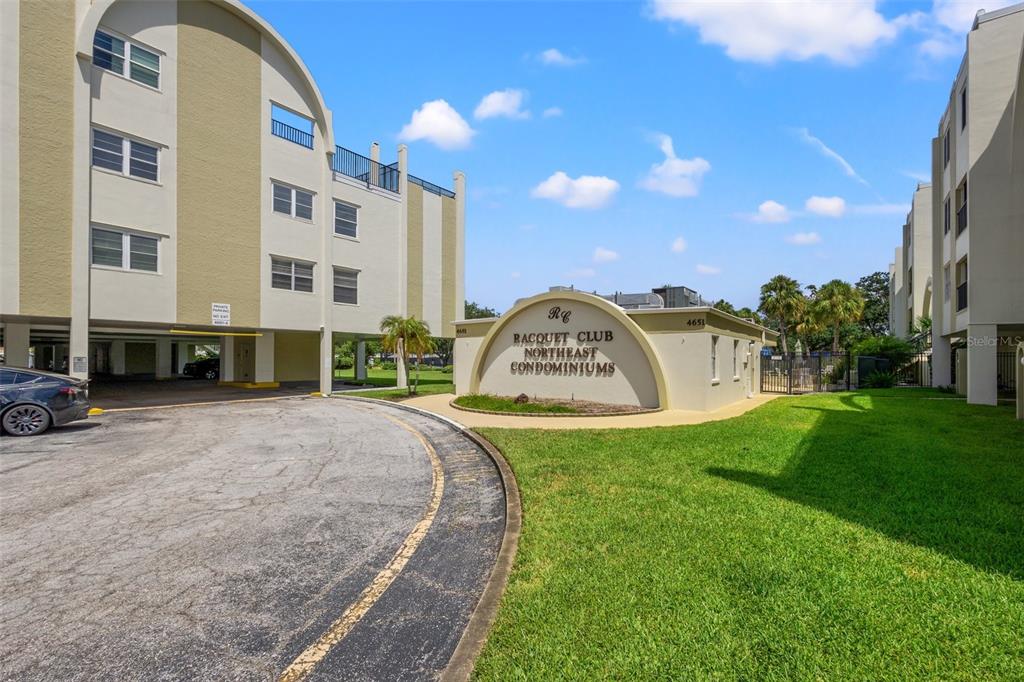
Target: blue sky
[{"x": 796, "y": 130}]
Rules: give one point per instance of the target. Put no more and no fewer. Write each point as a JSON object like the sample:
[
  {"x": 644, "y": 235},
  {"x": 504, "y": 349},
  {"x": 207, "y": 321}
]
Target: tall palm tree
[
  {"x": 406, "y": 336},
  {"x": 782, "y": 301},
  {"x": 835, "y": 304}
]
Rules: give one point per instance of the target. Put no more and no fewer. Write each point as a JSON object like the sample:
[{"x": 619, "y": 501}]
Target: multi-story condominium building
[
  {"x": 910, "y": 281},
  {"x": 170, "y": 178},
  {"x": 978, "y": 212}
]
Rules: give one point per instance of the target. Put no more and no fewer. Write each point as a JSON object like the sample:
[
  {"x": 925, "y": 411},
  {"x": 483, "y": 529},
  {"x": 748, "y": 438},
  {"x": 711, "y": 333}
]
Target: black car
[
  {"x": 32, "y": 401},
  {"x": 208, "y": 368}
]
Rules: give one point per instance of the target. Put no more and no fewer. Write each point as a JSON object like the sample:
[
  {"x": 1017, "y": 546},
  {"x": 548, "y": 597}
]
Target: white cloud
[
  {"x": 844, "y": 32},
  {"x": 708, "y": 269},
  {"x": 515, "y": 275},
  {"x": 828, "y": 152},
  {"x": 678, "y": 245},
  {"x": 832, "y": 207},
  {"x": 552, "y": 112},
  {"x": 881, "y": 209},
  {"x": 586, "y": 191},
  {"x": 947, "y": 24},
  {"x": 917, "y": 175},
  {"x": 804, "y": 238},
  {"x": 674, "y": 176},
  {"x": 580, "y": 273},
  {"x": 437, "y": 122},
  {"x": 603, "y": 255},
  {"x": 555, "y": 57},
  {"x": 771, "y": 212},
  {"x": 958, "y": 15},
  {"x": 506, "y": 103}
]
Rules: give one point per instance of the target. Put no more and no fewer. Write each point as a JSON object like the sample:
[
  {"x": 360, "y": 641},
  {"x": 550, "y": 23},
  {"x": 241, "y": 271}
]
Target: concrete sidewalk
[{"x": 439, "y": 404}]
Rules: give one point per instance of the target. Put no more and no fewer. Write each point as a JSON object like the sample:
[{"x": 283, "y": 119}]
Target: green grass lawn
[
  {"x": 838, "y": 537},
  {"x": 431, "y": 381},
  {"x": 497, "y": 404}
]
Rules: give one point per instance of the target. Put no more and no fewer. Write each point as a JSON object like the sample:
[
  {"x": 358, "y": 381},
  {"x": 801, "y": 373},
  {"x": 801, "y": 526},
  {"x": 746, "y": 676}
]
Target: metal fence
[
  {"x": 431, "y": 187},
  {"x": 798, "y": 373},
  {"x": 290, "y": 133},
  {"x": 364, "y": 169},
  {"x": 1006, "y": 372}
]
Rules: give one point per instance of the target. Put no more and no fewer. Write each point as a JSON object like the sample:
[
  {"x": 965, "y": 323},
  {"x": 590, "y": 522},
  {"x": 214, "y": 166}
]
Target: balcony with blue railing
[{"x": 364, "y": 169}]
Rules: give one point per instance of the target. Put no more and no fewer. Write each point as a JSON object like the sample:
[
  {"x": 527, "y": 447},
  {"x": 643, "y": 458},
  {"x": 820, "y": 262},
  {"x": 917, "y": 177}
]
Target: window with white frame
[
  {"x": 126, "y": 58},
  {"x": 714, "y": 357},
  {"x": 293, "y": 275},
  {"x": 124, "y": 155},
  {"x": 346, "y": 219},
  {"x": 346, "y": 286},
  {"x": 125, "y": 250},
  {"x": 293, "y": 201}
]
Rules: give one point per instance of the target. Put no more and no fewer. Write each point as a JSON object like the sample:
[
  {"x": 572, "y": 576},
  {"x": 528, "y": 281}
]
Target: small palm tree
[
  {"x": 835, "y": 304},
  {"x": 782, "y": 300},
  {"x": 406, "y": 336}
]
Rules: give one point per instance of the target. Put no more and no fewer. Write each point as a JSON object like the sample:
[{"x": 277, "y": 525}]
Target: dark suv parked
[
  {"x": 32, "y": 401},
  {"x": 208, "y": 368}
]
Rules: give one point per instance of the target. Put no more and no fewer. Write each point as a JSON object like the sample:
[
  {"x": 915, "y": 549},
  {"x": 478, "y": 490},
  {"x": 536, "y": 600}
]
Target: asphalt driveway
[{"x": 224, "y": 541}]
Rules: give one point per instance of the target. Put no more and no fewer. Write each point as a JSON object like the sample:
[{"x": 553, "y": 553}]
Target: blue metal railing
[
  {"x": 364, "y": 169},
  {"x": 290, "y": 133},
  {"x": 431, "y": 187}
]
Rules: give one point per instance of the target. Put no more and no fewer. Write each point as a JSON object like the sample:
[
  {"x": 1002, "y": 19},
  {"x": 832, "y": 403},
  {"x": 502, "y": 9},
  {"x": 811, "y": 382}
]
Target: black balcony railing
[
  {"x": 364, "y": 169},
  {"x": 961, "y": 219},
  {"x": 961, "y": 296},
  {"x": 431, "y": 187},
  {"x": 290, "y": 133}
]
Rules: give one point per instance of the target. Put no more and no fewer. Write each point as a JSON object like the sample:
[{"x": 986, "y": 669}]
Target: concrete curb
[
  {"x": 463, "y": 408},
  {"x": 460, "y": 666}
]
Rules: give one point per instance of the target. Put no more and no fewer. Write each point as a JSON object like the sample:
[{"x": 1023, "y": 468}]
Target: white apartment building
[
  {"x": 169, "y": 176},
  {"x": 910, "y": 274},
  {"x": 978, "y": 212}
]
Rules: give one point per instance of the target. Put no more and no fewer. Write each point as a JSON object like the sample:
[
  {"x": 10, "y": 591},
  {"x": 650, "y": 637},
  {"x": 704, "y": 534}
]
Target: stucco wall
[
  {"x": 452, "y": 306},
  {"x": 296, "y": 356},
  {"x": 414, "y": 252}
]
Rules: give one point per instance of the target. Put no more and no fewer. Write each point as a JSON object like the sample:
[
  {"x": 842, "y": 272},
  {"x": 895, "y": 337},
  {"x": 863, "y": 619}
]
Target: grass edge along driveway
[{"x": 843, "y": 536}]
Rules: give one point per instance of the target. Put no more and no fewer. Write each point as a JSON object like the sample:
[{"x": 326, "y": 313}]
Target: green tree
[
  {"x": 783, "y": 302},
  {"x": 724, "y": 306},
  {"x": 444, "y": 349},
  {"x": 835, "y": 304},
  {"x": 405, "y": 337},
  {"x": 875, "y": 290},
  {"x": 474, "y": 311}
]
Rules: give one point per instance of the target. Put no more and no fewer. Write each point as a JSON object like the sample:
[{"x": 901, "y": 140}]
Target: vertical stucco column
[
  {"x": 164, "y": 370},
  {"x": 81, "y": 211},
  {"x": 227, "y": 358},
  {"x": 183, "y": 357},
  {"x": 941, "y": 361},
  {"x": 982, "y": 343},
  {"x": 375, "y": 152},
  {"x": 326, "y": 293},
  {"x": 117, "y": 358},
  {"x": 460, "y": 245},
  {"x": 265, "y": 357},
  {"x": 16, "y": 344},
  {"x": 360, "y": 360},
  {"x": 403, "y": 230}
]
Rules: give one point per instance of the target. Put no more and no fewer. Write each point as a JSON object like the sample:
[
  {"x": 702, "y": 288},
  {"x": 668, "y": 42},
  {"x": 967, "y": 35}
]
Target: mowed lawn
[
  {"x": 846, "y": 536},
  {"x": 431, "y": 381}
]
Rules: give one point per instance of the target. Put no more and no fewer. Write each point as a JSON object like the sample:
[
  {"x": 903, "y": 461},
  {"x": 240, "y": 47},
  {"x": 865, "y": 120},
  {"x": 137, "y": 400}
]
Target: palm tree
[
  {"x": 835, "y": 304},
  {"x": 782, "y": 300},
  {"x": 406, "y": 336}
]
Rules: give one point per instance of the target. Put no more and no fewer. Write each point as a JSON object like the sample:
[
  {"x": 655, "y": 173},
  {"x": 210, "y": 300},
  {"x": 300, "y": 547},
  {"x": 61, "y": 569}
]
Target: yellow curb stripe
[{"x": 304, "y": 664}]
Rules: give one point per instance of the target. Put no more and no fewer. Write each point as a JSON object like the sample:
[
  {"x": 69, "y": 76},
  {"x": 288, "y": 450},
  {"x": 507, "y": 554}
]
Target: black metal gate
[{"x": 798, "y": 373}]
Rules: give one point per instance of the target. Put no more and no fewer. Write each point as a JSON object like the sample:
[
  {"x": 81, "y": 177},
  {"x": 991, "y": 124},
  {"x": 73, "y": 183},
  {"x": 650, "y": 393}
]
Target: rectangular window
[
  {"x": 346, "y": 286},
  {"x": 125, "y": 155},
  {"x": 291, "y": 274},
  {"x": 126, "y": 250},
  {"x": 963, "y": 108},
  {"x": 945, "y": 216},
  {"x": 109, "y": 52},
  {"x": 345, "y": 219},
  {"x": 910, "y": 281},
  {"x": 714, "y": 357},
  {"x": 945, "y": 148},
  {"x": 735, "y": 361},
  {"x": 945, "y": 282},
  {"x": 961, "y": 207},
  {"x": 961, "y": 284},
  {"x": 292, "y": 202}
]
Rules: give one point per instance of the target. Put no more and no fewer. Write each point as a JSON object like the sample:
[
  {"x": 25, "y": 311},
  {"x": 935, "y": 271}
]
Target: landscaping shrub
[
  {"x": 447, "y": 369},
  {"x": 389, "y": 366},
  {"x": 345, "y": 362},
  {"x": 879, "y": 379},
  {"x": 894, "y": 349}
]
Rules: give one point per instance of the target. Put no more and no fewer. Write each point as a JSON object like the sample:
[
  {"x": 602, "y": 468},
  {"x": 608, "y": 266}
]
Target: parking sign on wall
[{"x": 221, "y": 314}]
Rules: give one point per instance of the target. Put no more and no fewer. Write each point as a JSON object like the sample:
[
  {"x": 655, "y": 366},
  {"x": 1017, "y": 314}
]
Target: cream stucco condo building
[
  {"x": 170, "y": 176},
  {"x": 978, "y": 212},
  {"x": 910, "y": 275}
]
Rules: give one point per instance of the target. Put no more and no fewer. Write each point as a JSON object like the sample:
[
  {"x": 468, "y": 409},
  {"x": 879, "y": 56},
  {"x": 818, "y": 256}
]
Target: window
[
  {"x": 945, "y": 282},
  {"x": 963, "y": 108},
  {"x": 961, "y": 284},
  {"x": 291, "y": 274},
  {"x": 910, "y": 282},
  {"x": 714, "y": 357},
  {"x": 293, "y": 202},
  {"x": 125, "y": 250},
  {"x": 346, "y": 286},
  {"x": 945, "y": 216},
  {"x": 109, "y": 52},
  {"x": 735, "y": 354},
  {"x": 345, "y": 219},
  {"x": 124, "y": 155},
  {"x": 945, "y": 148},
  {"x": 961, "y": 210}
]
